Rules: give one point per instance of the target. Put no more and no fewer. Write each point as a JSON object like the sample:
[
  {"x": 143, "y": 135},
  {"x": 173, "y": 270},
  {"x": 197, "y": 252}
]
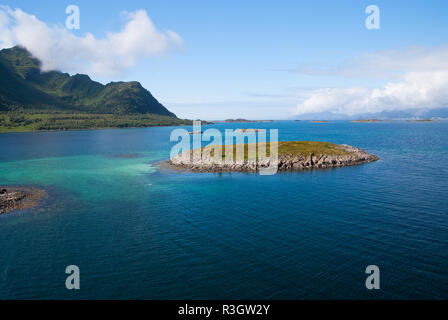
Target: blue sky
[{"x": 246, "y": 58}]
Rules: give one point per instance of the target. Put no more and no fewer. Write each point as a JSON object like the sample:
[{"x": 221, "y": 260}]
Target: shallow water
[{"x": 139, "y": 232}]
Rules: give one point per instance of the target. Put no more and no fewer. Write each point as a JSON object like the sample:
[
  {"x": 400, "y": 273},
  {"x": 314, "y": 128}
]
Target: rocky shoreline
[
  {"x": 13, "y": 198},
  {"x": 349, "y": 156}
]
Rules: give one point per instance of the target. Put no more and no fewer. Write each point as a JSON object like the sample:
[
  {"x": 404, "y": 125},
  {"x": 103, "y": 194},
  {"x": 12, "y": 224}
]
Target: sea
[{"x": 137, "y": 230}]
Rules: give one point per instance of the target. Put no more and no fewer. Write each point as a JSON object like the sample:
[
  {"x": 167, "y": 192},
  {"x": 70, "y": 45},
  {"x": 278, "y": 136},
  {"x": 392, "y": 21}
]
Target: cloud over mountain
[
  {"x": 417, "y": 78},
  {"x": 60, "y": 49}
]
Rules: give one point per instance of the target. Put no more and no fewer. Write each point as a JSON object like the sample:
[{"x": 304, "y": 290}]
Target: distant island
[
  {"x": 32, "y": 100},
  {"x": 241, "y": 121},
  {"x": 248, "y": 130},
  {"x": 292, "y": 156},
  {"x": 421, "y": 120},
  {"x": 367, "y": 120}
]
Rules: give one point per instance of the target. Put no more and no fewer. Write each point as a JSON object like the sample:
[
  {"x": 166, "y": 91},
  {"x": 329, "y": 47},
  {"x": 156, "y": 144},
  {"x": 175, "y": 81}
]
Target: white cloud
[
  {"x": 60, "y": 49},
  {"x": 417, "y": 79},
  {"x": 6, "y": 38}
]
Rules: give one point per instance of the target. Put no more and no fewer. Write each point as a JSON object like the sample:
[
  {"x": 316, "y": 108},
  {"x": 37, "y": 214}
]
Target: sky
[{"x": 249, "y": 59}]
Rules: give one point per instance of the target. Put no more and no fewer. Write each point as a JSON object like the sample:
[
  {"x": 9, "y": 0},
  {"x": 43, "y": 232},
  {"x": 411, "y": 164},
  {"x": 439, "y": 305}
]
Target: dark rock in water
[
  {"x": 19, "y": 198},
  {"x": 248, "y": 130}
]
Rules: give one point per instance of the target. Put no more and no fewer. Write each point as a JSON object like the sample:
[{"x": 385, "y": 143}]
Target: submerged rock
[{"x": 19, "y": 198}]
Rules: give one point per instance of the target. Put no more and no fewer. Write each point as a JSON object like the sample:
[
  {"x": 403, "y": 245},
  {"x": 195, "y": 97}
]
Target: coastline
[
  {"x": 16, "y": 198},
  {"x": 11, "y": 121},
  {"x": 93, "y": 129},
  {"x": 208, "y": 123}
]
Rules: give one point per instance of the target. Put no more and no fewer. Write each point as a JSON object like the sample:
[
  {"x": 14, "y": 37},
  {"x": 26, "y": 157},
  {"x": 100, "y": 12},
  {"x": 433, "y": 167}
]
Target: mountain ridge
[{"x": 24, "y": 86}]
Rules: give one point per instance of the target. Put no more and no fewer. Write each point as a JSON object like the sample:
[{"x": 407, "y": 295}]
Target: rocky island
[
  {"x": 12, "y": 198},
  {"x": 292, "y": 156},
  {"x": 248, "y": 130},
  {"x": 367, "y": 120}
]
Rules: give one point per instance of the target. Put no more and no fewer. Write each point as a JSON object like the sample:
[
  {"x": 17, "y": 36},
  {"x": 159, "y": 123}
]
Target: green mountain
[{"x": 24, "y": 87}]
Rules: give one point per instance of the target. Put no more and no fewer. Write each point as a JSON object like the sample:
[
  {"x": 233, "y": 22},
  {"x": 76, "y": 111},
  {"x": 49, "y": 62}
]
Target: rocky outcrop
[
  {"x": 18, "y": 199},
  {"x": 349, "y": 156},
  {"x": 195, "y": 132}
]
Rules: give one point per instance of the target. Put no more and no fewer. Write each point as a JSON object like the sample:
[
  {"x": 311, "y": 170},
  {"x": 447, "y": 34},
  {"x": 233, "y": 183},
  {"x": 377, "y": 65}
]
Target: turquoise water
[{"x": 139, "y": 232}]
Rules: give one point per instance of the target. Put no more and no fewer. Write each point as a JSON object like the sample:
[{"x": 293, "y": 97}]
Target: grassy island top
[
  {"x": 305, "y": 148},
  {"x": 292, "y": 148}
]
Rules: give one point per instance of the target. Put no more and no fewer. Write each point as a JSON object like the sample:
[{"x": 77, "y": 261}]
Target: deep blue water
[{"x": 139, "y": 232}]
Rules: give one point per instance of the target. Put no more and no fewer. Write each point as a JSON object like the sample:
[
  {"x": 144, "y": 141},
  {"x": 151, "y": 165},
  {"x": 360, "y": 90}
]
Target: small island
[
  {"x": 242, "y": 121},
  {"x": 248, "y": 130},
  {"x": 195, "y": 132},
  {"x": 292, "y": 156},
  {"x": 421, "y": 120},
  {"x": 367, "y": 120},
  {"x": 12, "y": 198}
]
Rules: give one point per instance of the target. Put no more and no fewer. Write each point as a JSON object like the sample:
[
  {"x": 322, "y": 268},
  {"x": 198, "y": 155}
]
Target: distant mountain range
[
  {"x": 422, "y": 113},
  {"x": 24, "y": 87}
]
